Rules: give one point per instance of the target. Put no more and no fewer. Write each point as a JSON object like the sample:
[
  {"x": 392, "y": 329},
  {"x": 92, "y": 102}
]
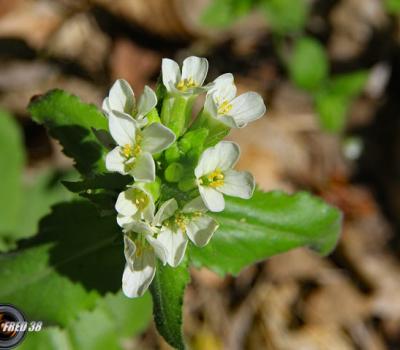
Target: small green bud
[
  {"x": 174, "y": 172},
  {"x": 184, "y": 145},
  {"x": 172, "y": 154}
]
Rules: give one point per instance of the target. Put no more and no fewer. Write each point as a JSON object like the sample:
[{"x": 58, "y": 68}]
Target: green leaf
[
  {"x": 76, "y": 256},
  {"x": 333, "y": 100},
  {"x": 43, "y": 191},
  {"x": 222, "y": 13},
  {"x": 115, "y": 317},
  {"x": 72, "y": 122},
  {"x": 285, "y": 16},
  {"x": 392, "y": 6},
  {"x": 308, "y": 66},
  {"x": 332, "y": 111},
  {"x": 167, "y": 290},
  {"x": 12, "y": 159},
  {"x": 58, "y": 278},
  {"x": 30, "y": 282},
  {"x": 107, "y": 181},
  {"x": 266, "y": 225},
  {"x": 348, "y": 85},
  {"x": 22, "y": 203},
  {"x": 130, "y": 316}
]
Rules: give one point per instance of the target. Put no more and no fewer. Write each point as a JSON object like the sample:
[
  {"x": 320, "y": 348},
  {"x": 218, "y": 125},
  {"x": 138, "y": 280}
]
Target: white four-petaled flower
[
  {"x": 166, "y": 237},
  {"x": 133, "y": 154},
  {"x": 190, "y": 81},
  {"x": 222, "y": 103},
  {"x": 140, "y": 267},
  {"x": 121, "y": 100},
  {"x": 215, "y": 176},
  {"x": 136, "y": 204}
]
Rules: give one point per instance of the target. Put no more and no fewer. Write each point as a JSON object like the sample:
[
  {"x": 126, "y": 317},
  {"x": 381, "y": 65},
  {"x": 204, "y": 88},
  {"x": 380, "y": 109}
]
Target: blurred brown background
[{"x": 298, "y": 300}]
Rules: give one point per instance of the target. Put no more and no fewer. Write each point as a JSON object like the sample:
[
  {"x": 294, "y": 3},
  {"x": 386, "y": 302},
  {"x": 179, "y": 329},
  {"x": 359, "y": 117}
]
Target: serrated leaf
[
  {"x": 167, "y": 290},
  {"x": 266, "y": 225},
  {"x": 76, "y": 256},
  {"x": 107, "y": 181},
  {"x": 72, "y": 122},
  {"x": 308, "y": 66},
  {"x": 12, "y": 158}
]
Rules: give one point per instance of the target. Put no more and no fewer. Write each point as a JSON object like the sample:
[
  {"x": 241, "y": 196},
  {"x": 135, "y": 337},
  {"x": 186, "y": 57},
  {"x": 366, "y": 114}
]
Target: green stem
[{"x": 176, "y": 113}]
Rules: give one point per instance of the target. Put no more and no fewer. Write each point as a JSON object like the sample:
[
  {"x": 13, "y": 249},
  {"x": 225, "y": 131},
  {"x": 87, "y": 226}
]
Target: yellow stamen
[
  {"x": 216, "y": 178},
  {"x": 224, "y": 107},
  {"x": 186, "y": 84},
  {"x": 140, "y": 198},
  {"x": 180, "y": 220},
  {"x": 128, "y": 151}
]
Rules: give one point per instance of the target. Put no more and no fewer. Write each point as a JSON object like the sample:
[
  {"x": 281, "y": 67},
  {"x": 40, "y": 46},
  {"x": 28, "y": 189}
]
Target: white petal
[
  {"x": 247, "y": 108},
  {"x": 121, "y": 97},
  {"x": 223, "y": 88},
  {"x": 196, "y": 204},
  {"x": 166, "y": 210},
  {"x": 171, "y": 73},
  {"x": 174, "y": 244},
  {"x": 195, "y": 68},
  {"x": 106, "y": 106},
  {"x": 131, "y": 223},
  {"x": 129, "y": 251},
  {"x": 223, "y": 155},
  {"x": 238, "y": 184},
  {"x": 125, "y": 221},
  {"x": 213, "y": 199},
  {"x": 200, "y": 229},
  {"x": 156, "y": 138},
  {"x": 144, "y": 168},
  {"x": 147, "y": 101},
  {"x": 125, "y": 204},
  {"x": 148, "y": 212},
  {"x": 115, "y": 161},
  {"x": 122, "y": 128},
  {"x": 158, "y": 247},
  {"x": 227, "y": 120},
  {"x": 136, "y": 281}
]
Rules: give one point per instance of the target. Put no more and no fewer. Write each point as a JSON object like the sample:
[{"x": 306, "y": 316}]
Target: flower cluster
[{"x": 181, "y": 168}]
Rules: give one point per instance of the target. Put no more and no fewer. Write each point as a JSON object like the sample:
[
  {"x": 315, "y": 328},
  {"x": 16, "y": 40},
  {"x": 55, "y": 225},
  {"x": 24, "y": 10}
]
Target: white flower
[
  {"x": 133, "y": 155},
  {"x": 121, "y": 99},
  {"x": 233, "y": 111},
  {"x": 194, "y": 72},
  {"x": 170, "y": 229},
  {"x": 140, "y": 267},
  {"x": 134, "y": 204},
  {"x": 216, "y": 177}
]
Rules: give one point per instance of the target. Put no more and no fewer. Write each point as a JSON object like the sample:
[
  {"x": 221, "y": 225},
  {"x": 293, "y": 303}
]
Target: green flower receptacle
[{"x": 216, "y": 129}]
